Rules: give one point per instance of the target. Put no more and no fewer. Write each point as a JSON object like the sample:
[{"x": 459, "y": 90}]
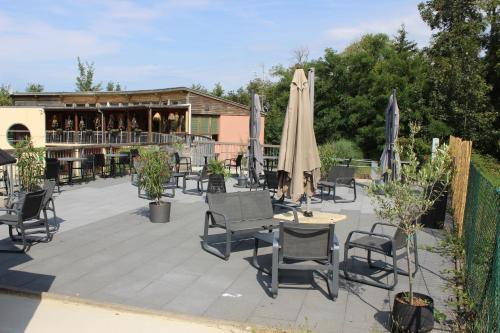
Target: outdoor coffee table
[
  {"x": 268, "y": 237},
  {"x": 69, "y": 161}
]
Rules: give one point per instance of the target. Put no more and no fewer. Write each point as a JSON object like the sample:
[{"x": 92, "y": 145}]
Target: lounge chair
[
  {"x": 388, "y": 245},
  {"x": 52, "y": 170},
  {"x": 302, "y": 247},
  {"x": 233, "y": 163},
  {"x": 199, "y": 177},
  {"x": 48, "y": 203},
  {"x": 26, "y": 221}
]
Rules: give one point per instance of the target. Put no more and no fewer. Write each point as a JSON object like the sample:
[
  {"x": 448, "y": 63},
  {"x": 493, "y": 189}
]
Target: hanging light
[{"x": 157, "y": 117}]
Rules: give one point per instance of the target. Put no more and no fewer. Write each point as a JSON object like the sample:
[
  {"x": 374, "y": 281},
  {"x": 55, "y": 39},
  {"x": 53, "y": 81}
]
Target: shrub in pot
[
  {"x": 154, "y": 172},
  {"x": 217, "y": 175},
  {"x": 31, "y": 165},
  {"x": 402, "y": 203}
]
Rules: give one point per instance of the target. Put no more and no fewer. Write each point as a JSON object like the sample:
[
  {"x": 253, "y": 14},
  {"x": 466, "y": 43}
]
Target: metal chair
[
  {"x": 87, "y": 166},
  {"x": 383, "y": 244},
  {"x": 100, "y": 162},
  {"x": 123, "y": 163},
  {"x": 271, "y": 182},
  {"x": 48, "y": 203},
  {"x": 52, "y": 170},
  {"x": 199, "y": 177},
  {"x": 339, "y": 176},
  {"x": 233, "y": 163},
  {"x": 25, "y": 219},
  {"x": 182, "y": 164},
  {"x": 304, "y": 247}
]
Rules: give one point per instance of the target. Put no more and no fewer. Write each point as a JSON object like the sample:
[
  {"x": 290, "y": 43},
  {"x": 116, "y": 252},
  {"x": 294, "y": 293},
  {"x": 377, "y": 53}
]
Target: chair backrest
[
  {"x": 306, "y": 241},
  {"x": 51, "y": 168},
  {"x": 204, "y": 172},
  {"x": 177, "y": 158},
  {"x": 338, "y": 171},
  {"x": 256, "y": 205},
  {"x": 400, "y": 238},
  {"x": 32, "y": 205},
  {"x": 99, "y": 160},
  {"x": 124, "y": 159},
  {"x": 238, "y": 159},
  {"x": 48, "y": 186},
  {"x": 225, "y": 203},
  {"x": 271, "y": 179}
]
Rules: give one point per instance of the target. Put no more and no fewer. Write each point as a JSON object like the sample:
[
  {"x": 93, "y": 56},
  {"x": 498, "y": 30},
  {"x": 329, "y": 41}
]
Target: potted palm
[
  {"x": 154, "y": 172},
  {"x": 31, "y": 165},
  {"x": 402, "y": 203}
]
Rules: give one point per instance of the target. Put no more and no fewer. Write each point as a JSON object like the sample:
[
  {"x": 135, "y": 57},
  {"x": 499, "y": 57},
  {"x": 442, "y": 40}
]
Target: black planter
[
  {"x": 435, "y": 217},
  {"x": 159, "y": 213},
  {"x": 242, "y": 181},
  {"x": 412, "y": 318},
  {"x": 216, "y": 184}
]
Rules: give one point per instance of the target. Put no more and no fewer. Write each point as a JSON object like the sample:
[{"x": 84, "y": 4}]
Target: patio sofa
[{"x": 239, "y": 212}]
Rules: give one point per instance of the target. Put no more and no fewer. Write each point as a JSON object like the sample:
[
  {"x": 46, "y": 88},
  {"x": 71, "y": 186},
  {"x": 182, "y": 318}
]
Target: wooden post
[
  {"x": 129, "y": 127},
  {"x": 150, "y": 125},
  {"x": 75, "y": 127}
]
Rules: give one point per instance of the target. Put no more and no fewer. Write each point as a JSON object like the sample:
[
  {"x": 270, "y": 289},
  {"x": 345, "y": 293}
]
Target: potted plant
[
  {"x": 243, "y": 176},
  {"x": 154, "y": 172},
  {"x": 402, "y": 203},
  {"x": 31, "y": 165},
  {"x": 217, "y": 175}
]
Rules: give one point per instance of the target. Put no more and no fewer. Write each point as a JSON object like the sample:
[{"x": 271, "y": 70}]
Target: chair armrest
[
  {"x": 382, "y": 223},
  {"x": 9, "y": 210},
  {"x": 366, "y": 233},
  {"x": 294, "y": 211},
  {"x": 213, "y": 212},
  {"x": 350, "y": 179}
]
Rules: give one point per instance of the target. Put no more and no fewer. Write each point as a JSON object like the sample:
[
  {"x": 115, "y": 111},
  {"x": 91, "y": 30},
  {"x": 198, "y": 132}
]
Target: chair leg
[
  {"x": 211, "y": 249},
  {"x": 369, "y": 258},
  {"x": 334, "y": 292},
  {"x": 274, "y": 273}
]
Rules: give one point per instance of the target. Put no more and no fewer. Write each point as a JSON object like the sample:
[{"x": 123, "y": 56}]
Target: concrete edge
[{"x": 15, "y": 291}]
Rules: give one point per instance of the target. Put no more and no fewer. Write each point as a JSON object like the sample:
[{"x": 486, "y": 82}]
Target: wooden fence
[{"x": 461, "y": 152}]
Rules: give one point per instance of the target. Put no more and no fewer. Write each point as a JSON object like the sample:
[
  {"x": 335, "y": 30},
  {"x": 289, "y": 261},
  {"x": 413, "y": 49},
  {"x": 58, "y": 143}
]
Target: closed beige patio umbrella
[{"x": 299, "y": 163}]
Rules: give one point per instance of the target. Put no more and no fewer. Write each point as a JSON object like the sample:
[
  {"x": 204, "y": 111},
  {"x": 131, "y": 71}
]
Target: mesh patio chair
[
  {"x": 339, "y": 176},
  {"x": 271, "y": 182},
  {"x": 25, "y": 220},
  {"x": 87, "y": 166},
  {"x": 182, "y": 163},
  {"x": 199, "y": 177},
  {"x": 233, "y": 163},
  {"x": 124, "y": 163},
  {"x": 48, "y": 203},
  {"x": 311, "y": 247},
  {"x": 52, "y": 170},
  {"x": 388, "y": 245},
  {"x": 100, "y": 162}
]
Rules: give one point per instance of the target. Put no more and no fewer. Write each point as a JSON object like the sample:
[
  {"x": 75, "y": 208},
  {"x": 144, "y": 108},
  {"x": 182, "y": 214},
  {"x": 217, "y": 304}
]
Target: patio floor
[{"x": 107, "y": 250}]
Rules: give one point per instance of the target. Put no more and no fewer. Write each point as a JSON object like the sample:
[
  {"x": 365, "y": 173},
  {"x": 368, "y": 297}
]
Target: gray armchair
[
  {"x": 48, "y": 203},
  {"x": 388, "y": 245},
  {"x": 199, "y": 177},
  {"x": 339, "y": 176},
  {"x": 25, "y": 220},
  {"x": 303, "y": 247}
]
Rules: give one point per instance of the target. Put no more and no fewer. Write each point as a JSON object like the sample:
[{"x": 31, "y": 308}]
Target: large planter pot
[
  {"x": 434, "y": 218},
  {"x": 412, "y": 318},
  {"x": 159, "y": 213},
  {"x": 216, "y": 184}
]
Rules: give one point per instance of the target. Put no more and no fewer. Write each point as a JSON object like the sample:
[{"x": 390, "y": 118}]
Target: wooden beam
[
  {"x": 129, "y": 127},
  {"x": 150, "y": 124}
]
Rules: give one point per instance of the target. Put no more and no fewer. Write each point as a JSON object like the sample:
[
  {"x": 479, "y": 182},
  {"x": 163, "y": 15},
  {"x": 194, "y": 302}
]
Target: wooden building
[{"x": 147, "y": 112}]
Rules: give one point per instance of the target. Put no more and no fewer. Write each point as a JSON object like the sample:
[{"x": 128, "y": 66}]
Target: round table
[{"x": 318, "y": 217}]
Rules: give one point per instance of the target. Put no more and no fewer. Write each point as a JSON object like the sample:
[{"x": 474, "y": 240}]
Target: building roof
[{"x": 126, "y": 92}]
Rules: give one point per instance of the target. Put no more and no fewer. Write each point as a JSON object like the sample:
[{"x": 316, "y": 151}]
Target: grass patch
[{"x": 489, "y": 166}]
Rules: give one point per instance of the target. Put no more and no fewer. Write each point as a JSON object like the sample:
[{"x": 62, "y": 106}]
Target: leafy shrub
[
  {"x": 30, "y": 162},
  {"x": 489, "y": 166},
  {"x": 155, "y": 170},
  {"x": 329, "y": 152},
  {"x": 216, "y": 167}
]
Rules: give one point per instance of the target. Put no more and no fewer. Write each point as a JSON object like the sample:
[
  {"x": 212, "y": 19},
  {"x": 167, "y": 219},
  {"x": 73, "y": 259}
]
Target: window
[
  {"x": 17, "y": 133},
  {"x": 205, "y": 125}
]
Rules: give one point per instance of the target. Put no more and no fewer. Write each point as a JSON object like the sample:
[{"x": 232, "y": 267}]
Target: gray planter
[
  {"x": 159, "y": 213},
  {"x": 242, "y": 181}
]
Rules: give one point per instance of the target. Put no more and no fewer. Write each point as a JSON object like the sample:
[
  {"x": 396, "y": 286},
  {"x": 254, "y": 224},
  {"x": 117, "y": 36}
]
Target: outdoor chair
[
  {"x": 339, "y": 176},
  {"x": 199, "y": 177},
  {"x": 48, "y": 203},
  {"x": 52, "y": 170},
  {"x": 182, "y": 163},
  {"x": 233, "y": 163},
  {"x": 239, "y": 212},
  {"x": 87, "y": 166},
  {"x": 25, "y": 220},
  {"x": 311, "y": 247},
  {"x": 271, "y": 182},
  {"x": 388, "y": 245},
  {"x": 100, "y": 162},
  {"x": 124, "y": 163}
]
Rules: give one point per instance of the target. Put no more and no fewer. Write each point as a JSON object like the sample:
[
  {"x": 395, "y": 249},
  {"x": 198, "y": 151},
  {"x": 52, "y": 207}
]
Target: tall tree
[
  {"x": 199, "y": 87},
  {"x": 218, "y": 90},
  {"x": 401, "y": 42},
  {"x": 458, "y": 93},
  {"x": 112, "y": 86},
  {"x": 34, "y": 87},
  {"x": 85, "y": 78},
  {"x": 5, "y": 99}
]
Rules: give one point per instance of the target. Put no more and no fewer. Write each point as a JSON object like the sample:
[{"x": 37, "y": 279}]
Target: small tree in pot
[
  {"x": 154, "y": 172},
  {"x": 402, "y": 203}
]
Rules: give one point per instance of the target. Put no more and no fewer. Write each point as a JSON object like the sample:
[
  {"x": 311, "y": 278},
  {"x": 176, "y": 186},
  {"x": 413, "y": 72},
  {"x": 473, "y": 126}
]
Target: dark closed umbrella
[
  {"x": 255, "y": 158},
  {"x": 390, "y": 157}
]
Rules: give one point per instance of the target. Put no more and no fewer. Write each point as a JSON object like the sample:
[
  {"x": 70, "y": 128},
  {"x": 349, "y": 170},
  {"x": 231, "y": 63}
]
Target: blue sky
[{"x": 159, "y": 44}]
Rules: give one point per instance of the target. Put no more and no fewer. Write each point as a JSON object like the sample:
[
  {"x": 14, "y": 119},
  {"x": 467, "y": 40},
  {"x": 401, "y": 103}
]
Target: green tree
[
  {"x": 112, "y": 86},
  {"x": 5, "y": 99},
  {"x": 218, "y": 90},
  {"x": 34, "y": 87},
  {"x": 458, "y": 91},
  {"x": 85, "y": 78},
  {"x": 199, "y": 87}
]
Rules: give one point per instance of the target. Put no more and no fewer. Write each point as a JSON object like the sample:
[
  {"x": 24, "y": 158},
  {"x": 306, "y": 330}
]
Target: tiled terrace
[{"x": 107, "y": 250}]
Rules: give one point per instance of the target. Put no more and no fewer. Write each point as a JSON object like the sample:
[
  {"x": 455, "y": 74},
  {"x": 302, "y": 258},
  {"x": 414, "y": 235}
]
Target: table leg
[
  {"x": 112, "y": 167},
  {"x": 70, "y": 172}
]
